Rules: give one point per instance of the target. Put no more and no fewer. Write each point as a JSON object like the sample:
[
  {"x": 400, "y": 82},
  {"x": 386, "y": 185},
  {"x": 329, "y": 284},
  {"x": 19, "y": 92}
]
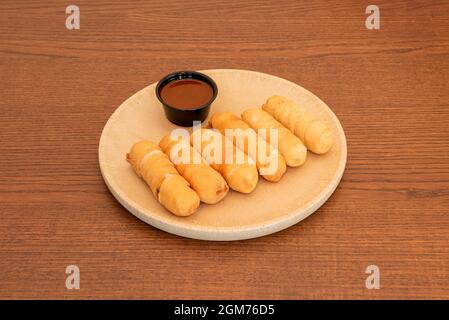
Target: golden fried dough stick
[
  {"x": 269, "y": 161},
  {"x": 238, "y": 169},
  {"x": 170, "y": 188},
  {"x": 208, "y": 183},
  {"x": 314, "y": 133},
  {"x": 290, "y": 146}
]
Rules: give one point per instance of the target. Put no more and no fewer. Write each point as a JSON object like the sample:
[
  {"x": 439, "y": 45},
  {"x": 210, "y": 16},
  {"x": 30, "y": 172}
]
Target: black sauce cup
[{"x": 186, "y": 117}]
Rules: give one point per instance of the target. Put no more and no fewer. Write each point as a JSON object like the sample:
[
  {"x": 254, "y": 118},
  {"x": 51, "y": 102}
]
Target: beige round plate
[{"x": 270, "y": 208}]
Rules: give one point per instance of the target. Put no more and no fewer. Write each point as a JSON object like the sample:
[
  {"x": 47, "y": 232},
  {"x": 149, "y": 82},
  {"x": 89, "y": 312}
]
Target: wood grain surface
[{"x": 389, "y": 88}]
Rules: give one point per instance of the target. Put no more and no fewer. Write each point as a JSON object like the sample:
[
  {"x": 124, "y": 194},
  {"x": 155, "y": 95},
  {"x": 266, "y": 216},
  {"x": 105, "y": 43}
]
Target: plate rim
[{"x": 260, "y": 229}]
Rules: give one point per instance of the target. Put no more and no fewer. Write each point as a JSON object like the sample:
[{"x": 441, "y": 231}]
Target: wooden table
[{"x": 389, "y": 88}]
